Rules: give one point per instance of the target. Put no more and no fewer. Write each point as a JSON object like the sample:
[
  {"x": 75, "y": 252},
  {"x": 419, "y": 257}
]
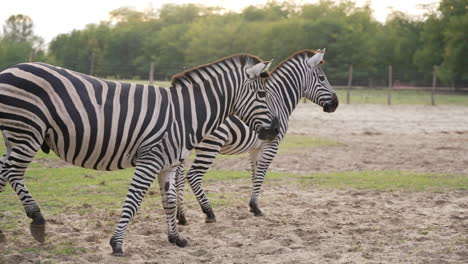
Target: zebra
[
  {"x": 108, "y": 125},
  {"x": 298, "y": 76}
]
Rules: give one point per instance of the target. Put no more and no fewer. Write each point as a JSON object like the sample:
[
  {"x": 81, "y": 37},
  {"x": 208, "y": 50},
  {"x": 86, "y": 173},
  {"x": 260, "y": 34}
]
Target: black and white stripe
[
  {"x": 107, "y": 125},
  {"x": 298, "y": 76}
]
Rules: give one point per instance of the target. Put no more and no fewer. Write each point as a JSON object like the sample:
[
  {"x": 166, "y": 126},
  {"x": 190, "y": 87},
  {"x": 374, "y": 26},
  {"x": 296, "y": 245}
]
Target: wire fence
[
  {"x": 354, "y": 85},
  {"x": 397, "y": 88}
]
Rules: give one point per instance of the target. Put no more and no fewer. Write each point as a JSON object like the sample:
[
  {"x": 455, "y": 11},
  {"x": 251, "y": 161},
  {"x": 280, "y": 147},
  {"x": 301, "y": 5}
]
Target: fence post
[
  {"x": 151, "y": 74},
  {"x": 350, "y": 81},
  {"x": 389, "y": 97},
  {"x": 434, "y": 83}
]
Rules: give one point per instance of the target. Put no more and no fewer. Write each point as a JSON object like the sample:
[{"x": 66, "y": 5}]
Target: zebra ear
[
  {"x": 316, "y": 59},
  {"x": 257, "y": 69}
]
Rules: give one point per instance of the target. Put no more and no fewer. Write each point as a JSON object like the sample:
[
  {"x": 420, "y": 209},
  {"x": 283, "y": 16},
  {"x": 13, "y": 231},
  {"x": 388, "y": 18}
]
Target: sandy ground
[{"x": 304, "y": 224}]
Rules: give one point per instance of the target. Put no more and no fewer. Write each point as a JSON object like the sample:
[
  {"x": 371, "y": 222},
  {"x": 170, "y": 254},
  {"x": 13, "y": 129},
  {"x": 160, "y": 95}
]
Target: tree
[
  {"x": 18, "y": 28},
  {"x": 445, "y": 41},
  {"x": 455, "y": 18},
  {"x": 398, "y": 42},
  {"x": 176, "y": 37},
  {"x": 19, "y": 44}
]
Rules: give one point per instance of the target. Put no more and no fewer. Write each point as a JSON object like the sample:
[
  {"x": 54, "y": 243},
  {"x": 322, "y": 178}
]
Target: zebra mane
[
  {"x": 243, "y": 58},
  {"x": 301, "y": 53}
]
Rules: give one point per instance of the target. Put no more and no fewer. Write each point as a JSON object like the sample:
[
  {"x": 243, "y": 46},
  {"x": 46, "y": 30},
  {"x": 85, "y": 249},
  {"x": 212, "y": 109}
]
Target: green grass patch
[
  {"x": 56, "y": 249},
  {"x": 373, "y": 180},
  {"x": 62, "y": 190},
  {"x": 386, "y": 180},
  {"x": 296, "y": 142},
  {"x": 291, "y": 143},
  {"x": 412, "y": 97}
]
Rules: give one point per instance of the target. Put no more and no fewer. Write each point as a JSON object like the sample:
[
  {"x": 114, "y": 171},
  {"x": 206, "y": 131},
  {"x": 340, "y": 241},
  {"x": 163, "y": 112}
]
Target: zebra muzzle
[
  {"x": 270, "y": 132},
  {"x": 331, "y": 106}
]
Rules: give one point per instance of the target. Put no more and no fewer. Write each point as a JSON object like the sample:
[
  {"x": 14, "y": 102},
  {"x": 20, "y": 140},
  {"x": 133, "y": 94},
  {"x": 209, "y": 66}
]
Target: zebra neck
[
  {"x": 199, "y": 111},
  {"x": 286, "y": 88}
]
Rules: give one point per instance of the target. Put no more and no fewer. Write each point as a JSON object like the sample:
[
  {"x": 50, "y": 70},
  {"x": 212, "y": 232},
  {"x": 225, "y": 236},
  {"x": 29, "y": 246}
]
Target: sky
[{"x": 53, "y": 17}]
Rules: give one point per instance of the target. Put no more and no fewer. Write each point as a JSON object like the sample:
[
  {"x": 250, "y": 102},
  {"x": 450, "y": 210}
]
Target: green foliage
[
  {"x": 13, "y": 53},
  {"x": 18, "y": 42},
  {"x": 18, "y": 28},
  {"x": 445, "y": 38},
  {"x": 176, "y": 37}
]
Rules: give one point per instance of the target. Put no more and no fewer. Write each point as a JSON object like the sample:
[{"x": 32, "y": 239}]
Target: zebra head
[
  {"x": 317, "y": 87},
  {"x": 252, "y": 107}
]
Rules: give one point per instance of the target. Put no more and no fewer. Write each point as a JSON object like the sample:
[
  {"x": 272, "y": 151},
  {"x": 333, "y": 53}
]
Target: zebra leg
[
  {"x": 3, "y": 180},
  {"x": 13, "y": 171},
  {"x": 142, "y": 179},
  {"x": 200, "y": 166},
  {"x": 169, "y": 201},
  {"x": 3, "y": 159},
  {"x": 180, "y": 184},
  {"x": 260, "y": 161}
]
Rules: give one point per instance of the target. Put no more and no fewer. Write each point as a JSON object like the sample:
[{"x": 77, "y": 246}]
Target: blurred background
[{"x": 367, "y": 50}]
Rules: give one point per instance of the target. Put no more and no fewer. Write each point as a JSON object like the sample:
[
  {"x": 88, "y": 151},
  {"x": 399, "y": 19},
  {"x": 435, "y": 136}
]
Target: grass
[
  {"x": 92, "y": 193},
  {"x": 290, "y": 143},
  {"x": 371, "y": 180},
  {"x": 387, "y": 180},
  {"x": 59, "y": 248},
  {"x": 415, "y": 97},
  {"x": 294, "y": 142},
  {"x": 62, "y": 189}
]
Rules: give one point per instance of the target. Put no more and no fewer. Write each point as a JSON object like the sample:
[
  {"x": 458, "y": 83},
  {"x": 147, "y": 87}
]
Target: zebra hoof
[
  {"x": 117, "y": 250},
  {"x": 180, "y": 242},
  {"x": 210, "y": 216},
  {"x": 118, "y": 253},
  {"x": 38, "y": 232},
  {"x": 256, "y": 211}
]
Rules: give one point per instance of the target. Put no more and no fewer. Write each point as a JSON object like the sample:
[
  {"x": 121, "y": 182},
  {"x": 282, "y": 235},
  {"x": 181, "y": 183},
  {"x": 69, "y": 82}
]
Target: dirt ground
[{"x": 303, "y": 224}]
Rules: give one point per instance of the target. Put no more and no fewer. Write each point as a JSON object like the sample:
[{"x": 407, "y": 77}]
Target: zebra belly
[{"x": 103, "y": 154}]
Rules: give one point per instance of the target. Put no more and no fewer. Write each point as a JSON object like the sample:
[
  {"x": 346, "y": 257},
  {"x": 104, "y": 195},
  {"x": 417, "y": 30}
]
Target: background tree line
[{"x": 176, "y": 37}]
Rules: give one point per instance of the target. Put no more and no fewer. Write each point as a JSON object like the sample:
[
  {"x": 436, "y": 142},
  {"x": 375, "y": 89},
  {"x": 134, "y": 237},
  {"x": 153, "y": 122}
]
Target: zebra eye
[
  {"x": 261, "y": 94},
  {"x": 322, "y": 78}
]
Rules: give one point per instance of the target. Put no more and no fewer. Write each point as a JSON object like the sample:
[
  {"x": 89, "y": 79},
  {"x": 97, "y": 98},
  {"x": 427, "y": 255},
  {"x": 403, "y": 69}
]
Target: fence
[
  {"x": 396, "y": 91},
  {"x": 390, "y": 85}
]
